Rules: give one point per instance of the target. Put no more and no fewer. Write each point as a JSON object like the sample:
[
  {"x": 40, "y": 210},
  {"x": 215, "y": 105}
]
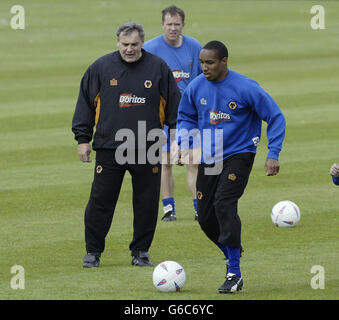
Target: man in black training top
[{"x": 127, "y": 95}]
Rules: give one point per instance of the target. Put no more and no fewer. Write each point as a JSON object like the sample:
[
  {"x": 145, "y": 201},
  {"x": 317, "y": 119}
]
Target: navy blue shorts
[{"x": 217, "y": 199}]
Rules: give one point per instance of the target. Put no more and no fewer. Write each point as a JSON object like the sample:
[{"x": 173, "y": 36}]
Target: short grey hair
[{"x": 129, "y": 27}]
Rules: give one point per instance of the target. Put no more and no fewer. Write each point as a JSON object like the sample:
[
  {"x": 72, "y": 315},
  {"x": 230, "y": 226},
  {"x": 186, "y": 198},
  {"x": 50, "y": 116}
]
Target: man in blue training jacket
[
  {"x": 181, "y": 53},
  {"x": 227, "y": 110}
]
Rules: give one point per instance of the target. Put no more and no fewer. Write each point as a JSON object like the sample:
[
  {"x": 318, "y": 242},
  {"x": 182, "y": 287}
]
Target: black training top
[{"x": 118, "y": 95}]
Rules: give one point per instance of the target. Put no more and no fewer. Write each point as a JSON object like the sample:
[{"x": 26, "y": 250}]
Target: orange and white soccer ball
[
  {"x": 285, "y": 214},
  {"x": 169, "y": 276}
]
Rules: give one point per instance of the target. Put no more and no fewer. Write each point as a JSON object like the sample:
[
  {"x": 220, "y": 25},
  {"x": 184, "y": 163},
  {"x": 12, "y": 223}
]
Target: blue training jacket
[
  {"x": 183, "y": 61},
  {"x": 237, "y": 105}
]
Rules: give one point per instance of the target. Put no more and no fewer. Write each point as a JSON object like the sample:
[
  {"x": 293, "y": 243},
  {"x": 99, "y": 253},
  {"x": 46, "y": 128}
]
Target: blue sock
[
  {"x": 168, "y": 201},
  {"x": 234, "y": 260},
  {"x": 195, "y": 204},
  {"x": 223, "y": 248}
]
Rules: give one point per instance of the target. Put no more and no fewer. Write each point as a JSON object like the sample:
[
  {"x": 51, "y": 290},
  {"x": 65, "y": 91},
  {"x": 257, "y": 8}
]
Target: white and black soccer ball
[
  {"x": 169, "y": 276},
  {"x": 285, "y": 214}
]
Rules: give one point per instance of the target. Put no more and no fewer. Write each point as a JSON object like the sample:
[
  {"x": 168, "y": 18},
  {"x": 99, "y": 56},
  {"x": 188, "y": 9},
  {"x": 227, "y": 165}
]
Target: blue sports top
[
  {"x": 183, "y": 61},
  {"x": 237, "y": 105},
  {"x": 335, "y": 180}
]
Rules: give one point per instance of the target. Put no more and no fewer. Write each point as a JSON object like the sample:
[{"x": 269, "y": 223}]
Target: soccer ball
[
  {"x": 169, "y": 276},
  {"x": 285, "y": 214}
]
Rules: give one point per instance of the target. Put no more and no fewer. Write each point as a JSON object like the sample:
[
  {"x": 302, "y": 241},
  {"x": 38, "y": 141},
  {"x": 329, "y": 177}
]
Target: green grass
[{"x": 44, "y": 188}]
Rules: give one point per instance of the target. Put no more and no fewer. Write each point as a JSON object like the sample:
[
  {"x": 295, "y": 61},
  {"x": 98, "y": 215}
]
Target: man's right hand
[
  {"x": 334, "y": 171},
  {"x": 84, "y": 150},
  {"x": 175, "y": 154}
]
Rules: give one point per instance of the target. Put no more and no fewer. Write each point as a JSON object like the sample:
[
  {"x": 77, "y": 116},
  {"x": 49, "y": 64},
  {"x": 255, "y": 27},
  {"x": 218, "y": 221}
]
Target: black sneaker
[
  {"x": 91, "y": 260},
  {"x": 141, "y": 259},
  {"x": 232, "y": 284},
  {"x": 169, "y": 216}
]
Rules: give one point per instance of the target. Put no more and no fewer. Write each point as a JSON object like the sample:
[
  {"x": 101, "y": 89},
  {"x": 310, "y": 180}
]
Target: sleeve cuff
[
  {"x": 83, "y": 140},
  {"x": 273, "y": 154}
]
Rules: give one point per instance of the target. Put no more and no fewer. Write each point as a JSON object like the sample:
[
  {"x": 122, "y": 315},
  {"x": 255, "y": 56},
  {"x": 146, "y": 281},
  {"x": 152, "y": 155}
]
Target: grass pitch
[{"x": 44, "y": 188}]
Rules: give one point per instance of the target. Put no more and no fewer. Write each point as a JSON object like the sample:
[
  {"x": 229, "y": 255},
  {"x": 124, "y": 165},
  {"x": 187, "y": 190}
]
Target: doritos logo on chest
[
  {"x": 128, "y": 100},
  {"x": 180, "y": 75},
  {"x": 218, "y": 116}
]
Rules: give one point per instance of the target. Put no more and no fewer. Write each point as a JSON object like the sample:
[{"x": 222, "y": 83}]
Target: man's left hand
[{"x": 272, "y": 167}]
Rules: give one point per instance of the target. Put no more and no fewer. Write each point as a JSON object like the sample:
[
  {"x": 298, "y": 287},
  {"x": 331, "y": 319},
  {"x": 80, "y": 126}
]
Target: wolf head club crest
[{"x": 232, "y": 105}]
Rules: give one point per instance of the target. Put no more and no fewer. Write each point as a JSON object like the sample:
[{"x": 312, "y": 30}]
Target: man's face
[
  {"x": 172, "y": 26},
  {"x": 130, "y": 46},
  {"x": 213, "y": 68}
]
